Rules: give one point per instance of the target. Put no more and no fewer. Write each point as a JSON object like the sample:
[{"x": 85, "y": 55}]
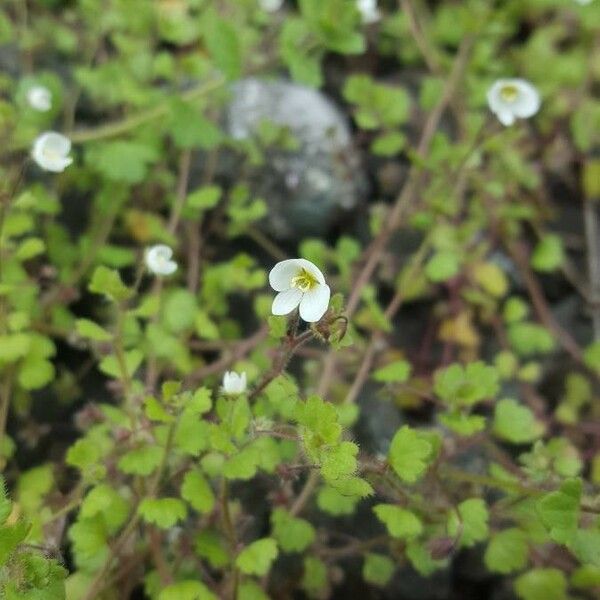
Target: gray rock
[{"x": 306, "y": 189}]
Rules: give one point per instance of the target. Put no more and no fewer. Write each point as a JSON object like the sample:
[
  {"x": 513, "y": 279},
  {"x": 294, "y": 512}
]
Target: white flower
[
  {"x": 299, "y": 282},
  {"x": 583, "y": 2},
  {"x": 39, "y": 98},
  {"x": 510, "y": 99},
  {"x": 234, "y": 383},
  {"x": 51, "y": 151},
  {"x": 158, "y": 260},
  {"x": 270, "y": 5},
  {"x": 368, "y": 10}
]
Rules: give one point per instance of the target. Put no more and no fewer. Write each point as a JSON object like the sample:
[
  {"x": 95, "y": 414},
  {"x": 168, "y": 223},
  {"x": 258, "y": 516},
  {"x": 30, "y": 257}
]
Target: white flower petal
[
  {"x": 312, "y": 269},
  {"x": 314, "y": 304},
  {"x": 270, "y": 5},
  {"x": 506, "y": 117},
  {"x": 368, "y": 11},
  {"x": 281, "y": 274},
  {"x": 50, "y": 151},
  {"x": 39, "y": 98},
  {"x": 285, "y": 302},
  {"x": 158, "y": 260},
  {"x": 234, "y": 383},
  {"x": 528, "y": 102}
]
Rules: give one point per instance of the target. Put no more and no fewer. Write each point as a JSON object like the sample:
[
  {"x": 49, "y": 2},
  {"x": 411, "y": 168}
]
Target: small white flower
[
  {"x": 583, "y": 2},
  {"x": 234, "y": 383},
  {"x": 158, "y": 260},
  {"x": 51, "y": 151},
  {"x": 511, "y": 99},
  {"x": 368, "y": 10},
  {"x": 39, "y": 98},
  {"x": 299, "y": 283},
  {"x": 270, "y": 5}
]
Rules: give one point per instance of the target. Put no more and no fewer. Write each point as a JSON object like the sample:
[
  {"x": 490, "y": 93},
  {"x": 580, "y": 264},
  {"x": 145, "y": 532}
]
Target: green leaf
[
  {"x": 204, "y": 198},
  {"x": 141, "y": 461},
  {"x": 10, "y": 538},
  {"x": 378, "y": 105},
  {"x": 587, "y": 576},
  {"x": 5, "y": 503},
  {"x": 179, "y": 310},
  {"x": 163, "y": 512},
  {"x": 389, "y": 144},
  {"x": 516, "y": 423},
  {"x": 187, "y": 590},
  {"x": 420, "y": 558},
  {"x": 105, "y": 501},
  {"x": 409, "y": 454},
  {"x": 333, "y": 502},
  {"x": 471, "y": 522},
  {"x": 339, "y": 461},
  {"x": 442, "y": 266},
  {"x": 319, "y": 422},
  {"x": 314, "y": 578},
  {"x": 13, "y": 347},
  {"x": 33, "y": 485},
  {"x": 155, "y": 411},
  {"x": 352, "y": 486},
  {"x": 121, "y": 161},
  {"x": 198, "y": 493},
  {"x": 190, "y": 128},
  {"x": 378, "y": 569},
  {"x": 242, "y": 465},
  {"x": 542, "y": 584},
  {"x": 400, "y": 523},
  {"x": 210, "y": 546},
  {"x": 292, "y": 534},
  {"x": 530, "y": 338},
  {"x": 559, "y": 511},
  {"x": 89, "y": 543},
  {"x": 549, "y": 254},
  {"x": 491, "y": 278},
  {"x": 396, "y": 372},
  {"x": 191, "y": 436},
  {"x": 111, "y": 366},
  {"x": 251, "y": 591},
  {"x": 108, "y": 283},
  {"x": 200, "y": 403},
  {"x": 222, "y": 41},
  {"x": 92, "y": 331},
  {"x": 591, "y": 356},
  {"x": 30, "y": 248},
  {"x": 35, "y": 373},
  {"x": 585, "y": 545},
  {"x": 305, "y": 67},
  {"x": 507, "y": 551},
  {"x": 85, "y": 454},
  {"x": 515, "y": 310},
  {"x": 256, "y": 559},
  {"x": 463, "y": 424},
  {"x": 466, "y": 386}
]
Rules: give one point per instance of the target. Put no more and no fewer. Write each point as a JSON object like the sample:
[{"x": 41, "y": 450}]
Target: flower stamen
[
  {"x": 304, "y": 281},
  {"x": 509, "y": 93}
]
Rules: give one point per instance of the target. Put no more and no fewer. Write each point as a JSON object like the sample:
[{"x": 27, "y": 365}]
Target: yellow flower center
[
  {"x": 304, "y": 281},
  {"x": 509, "y": 93}
]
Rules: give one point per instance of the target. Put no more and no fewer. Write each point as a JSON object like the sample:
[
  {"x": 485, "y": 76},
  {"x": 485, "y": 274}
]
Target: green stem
[
  {"x": 100, "y": 582},
  {"x": 511, "y": 487},
  {"x": 125, "y": 125},
  {"x": 5, "y": 393},
  {"x": 230, "y": 534}
]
